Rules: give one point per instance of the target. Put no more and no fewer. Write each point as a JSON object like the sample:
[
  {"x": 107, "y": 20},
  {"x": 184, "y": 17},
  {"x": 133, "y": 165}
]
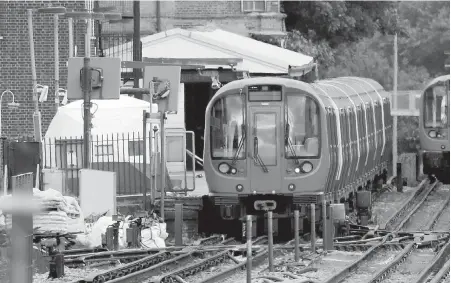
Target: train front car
[
  {"x": 434, "y": 129},
  {"x": 265, "y": 139}
]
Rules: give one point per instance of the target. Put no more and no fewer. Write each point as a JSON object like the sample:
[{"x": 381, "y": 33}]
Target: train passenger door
[{"x": 265, "y": 149}]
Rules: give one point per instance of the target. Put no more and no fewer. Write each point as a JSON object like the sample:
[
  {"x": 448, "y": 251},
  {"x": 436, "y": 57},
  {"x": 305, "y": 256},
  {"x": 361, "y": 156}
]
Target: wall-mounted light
[
  {"x": 62, "y": 93},
  {"x": 43, "y": 90},
  {"x": 215, "y": 83}
]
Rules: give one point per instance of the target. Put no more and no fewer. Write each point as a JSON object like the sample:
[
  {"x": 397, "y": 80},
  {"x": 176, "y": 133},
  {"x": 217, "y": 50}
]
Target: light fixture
[
  {"x": 43, "y": 90},
  {"x": 215, "y": 83},
  {"x": 306, "y": 167},
  {"x": 224, "y": 168},
  {"x": 13, "y": 104}
]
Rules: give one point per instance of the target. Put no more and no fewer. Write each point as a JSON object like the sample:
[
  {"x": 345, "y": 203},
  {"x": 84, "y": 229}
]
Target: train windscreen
[
  {"x": 436, "y": 100},
  {"x": 301, "y": 127},
  {"x": 227, "y": 128},
  {"x": 261, "y": 93}
]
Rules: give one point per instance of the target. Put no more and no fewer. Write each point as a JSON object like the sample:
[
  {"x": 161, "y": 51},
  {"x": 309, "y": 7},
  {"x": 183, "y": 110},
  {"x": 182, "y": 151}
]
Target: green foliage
[{"x": 339, "y": 21}]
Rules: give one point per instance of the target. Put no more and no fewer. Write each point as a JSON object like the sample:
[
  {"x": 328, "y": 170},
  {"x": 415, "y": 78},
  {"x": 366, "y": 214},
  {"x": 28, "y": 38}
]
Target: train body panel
[
  {"x": 294, "y": 143},
  {"x": 434, "y": 128}
]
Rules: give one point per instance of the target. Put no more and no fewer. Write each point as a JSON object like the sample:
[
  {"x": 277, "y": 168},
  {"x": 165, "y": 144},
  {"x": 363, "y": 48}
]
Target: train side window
[
  {"x": 302, "y": 126},
  {"x": 227, "y": 127},
  {"x": 436, "y": 107}
]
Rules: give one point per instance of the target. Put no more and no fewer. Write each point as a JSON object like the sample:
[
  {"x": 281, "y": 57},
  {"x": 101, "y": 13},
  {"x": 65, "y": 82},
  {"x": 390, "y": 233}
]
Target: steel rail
[
  {"x": 382, "y": 274},
  {"x": 417, "y": 206},
  {"x": 148, "y": 266},
  {"x": 437, "y": 215},
  {"x": 432, "y": 269},
  {"x": 442, "y": 274},
  {"x": 341, "y": 275},
  {"x": 392, "y": 224}
]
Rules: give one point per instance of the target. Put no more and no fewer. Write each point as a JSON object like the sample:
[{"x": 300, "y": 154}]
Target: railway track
[
  {"x": 168, "y": 266},
  {"x": 408, "y": 265},
  {"x": 399, "y": 219},
  {"x": 425, "y": 213},
  {"x": 432, "y": 272}
]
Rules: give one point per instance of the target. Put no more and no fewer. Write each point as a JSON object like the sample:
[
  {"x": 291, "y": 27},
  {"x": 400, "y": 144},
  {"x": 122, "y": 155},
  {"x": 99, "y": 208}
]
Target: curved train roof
[
  {"x": 358, "y": 85},
  {"x": 437, "y": 80}
]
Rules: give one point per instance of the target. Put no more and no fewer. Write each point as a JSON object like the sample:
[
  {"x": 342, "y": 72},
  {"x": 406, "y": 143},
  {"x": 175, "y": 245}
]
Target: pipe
[
  {"x": 57, "y": 60},
  {"x": 158, "y": 15},
  {"x": 71, "y": 37}
]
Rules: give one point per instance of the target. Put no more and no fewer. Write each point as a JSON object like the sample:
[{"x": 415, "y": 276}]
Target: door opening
[{"x": 197, "y": 96}]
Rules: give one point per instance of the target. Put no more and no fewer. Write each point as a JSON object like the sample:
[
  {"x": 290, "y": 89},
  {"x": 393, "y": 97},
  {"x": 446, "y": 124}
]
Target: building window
[
  {"x": 261, "y": 6},
  {"x": 135, "y": 148},
  {"x": 103, "y": 150}
]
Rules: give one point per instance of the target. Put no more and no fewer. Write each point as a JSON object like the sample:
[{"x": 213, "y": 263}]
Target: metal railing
[{"x": 123, "y": 153}]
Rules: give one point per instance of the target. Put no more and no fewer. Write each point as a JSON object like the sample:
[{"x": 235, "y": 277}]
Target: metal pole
[
  {"x": 57, "y": 59},
  {"x": 296, "y": 235},
  {"x": 270, "y": 243},
  {"x": 178, "y": 224},
  {"x": 312, "y": 227},
  {"x": 152, "y": 151},
  {"x": 399, "y": 183},
  {"x": 71, "y": 37},
  {"x": 136, "y": 41},
  {"x": 395, "y": 104},
  {"x": 87, "y": 98},
  {"x": 144, "y": 153},
  {"x": 163, "y": 163},
  {"x": 249, "y": 248},
  {"x": 37, "y": 114},
  {"x": 324, "y": 216}
]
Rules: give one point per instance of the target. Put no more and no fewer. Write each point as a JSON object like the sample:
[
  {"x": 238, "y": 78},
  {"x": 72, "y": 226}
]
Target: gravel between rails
[
  {"x": 388, "y": 203},
  {"x": 212, "y": 270},
  {"x": 370, "y": 266},
  {"x": 443, "y": 222},
  {"x": 422, "y": 216},
  {"x": 326, "y": 264},
  {"x": 411, "y": 268}
]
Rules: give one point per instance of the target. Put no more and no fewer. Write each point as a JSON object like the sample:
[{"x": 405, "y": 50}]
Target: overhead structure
[{"x": 257, "y": 57}]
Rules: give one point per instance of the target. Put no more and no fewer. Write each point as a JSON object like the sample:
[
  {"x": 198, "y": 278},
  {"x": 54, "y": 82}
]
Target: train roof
[
  {"x": 437, "y": 80},
  {"x": 318, "y": 88}
]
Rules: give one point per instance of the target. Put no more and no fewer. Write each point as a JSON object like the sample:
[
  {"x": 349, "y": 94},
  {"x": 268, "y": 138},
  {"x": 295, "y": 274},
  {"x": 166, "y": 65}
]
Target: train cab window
[
  {"x": 436, "y": 107},
  {"x": 227, "y": 128},
  {"x": 301, "y": 127}
]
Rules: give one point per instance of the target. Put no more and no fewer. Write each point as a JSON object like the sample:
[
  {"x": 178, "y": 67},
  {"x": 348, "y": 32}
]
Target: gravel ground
[
  {"x": 443, "y": 222},
  {"x": 423, "y": 215},
  {"x": 70, "y": 275},
  {"x": 388, "y": 203},
  {"x": 370, "y": 266},
  {"x": 409, "y": 270},
  {"x": 327, "y": 265},
  {"x": 211, "y": 271}
]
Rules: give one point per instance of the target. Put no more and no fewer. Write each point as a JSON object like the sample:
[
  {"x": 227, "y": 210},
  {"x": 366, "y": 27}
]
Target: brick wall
[
  {"x": 224, "y": 14},
  {"x": 15, "y": 63}
]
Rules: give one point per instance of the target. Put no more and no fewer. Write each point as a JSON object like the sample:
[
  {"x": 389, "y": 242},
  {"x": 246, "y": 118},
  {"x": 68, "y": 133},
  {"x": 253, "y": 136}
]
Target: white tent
[
  {"x": 117, "y": 132},
  {"x": 110, "y": 116}
]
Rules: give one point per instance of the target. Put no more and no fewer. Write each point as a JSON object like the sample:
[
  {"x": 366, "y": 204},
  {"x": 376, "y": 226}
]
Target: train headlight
[
  {"x": 291, "y": 187},
  {"x": 239, "y": 188},
  {"x": 224, "y": 168},
  {"x": 233, "y": 171},
  {"x": 306, "y": 167},
  {"x": 432, "y": 134},
  {"x": 297, "y": 170}
]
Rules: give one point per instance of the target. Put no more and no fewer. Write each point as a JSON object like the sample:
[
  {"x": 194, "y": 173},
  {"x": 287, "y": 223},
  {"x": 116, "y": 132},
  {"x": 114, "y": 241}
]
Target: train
[
  {"x": 434, "y": 129},
  {"x": 277, "y": 144}
]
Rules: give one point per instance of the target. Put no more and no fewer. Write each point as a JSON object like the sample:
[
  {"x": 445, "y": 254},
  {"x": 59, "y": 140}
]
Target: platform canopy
[{"x": 258, "y": 57}]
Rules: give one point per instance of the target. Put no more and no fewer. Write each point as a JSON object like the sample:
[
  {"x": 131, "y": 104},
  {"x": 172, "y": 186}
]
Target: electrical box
[
  {"x": 164, "y": 82},
  {"x": 105, "y": 78}
]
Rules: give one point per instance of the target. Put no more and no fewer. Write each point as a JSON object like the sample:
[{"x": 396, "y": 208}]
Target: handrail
[{"x": 199, "y": 160}]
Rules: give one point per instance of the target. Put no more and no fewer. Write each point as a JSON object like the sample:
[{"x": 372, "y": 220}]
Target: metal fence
[{"x": 123, "y": 153}]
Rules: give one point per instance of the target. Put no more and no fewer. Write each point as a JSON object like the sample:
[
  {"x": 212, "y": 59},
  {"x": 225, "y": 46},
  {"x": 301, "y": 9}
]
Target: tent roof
[
  {"x": 258, "y": 57},
  {"x": 110, "y": 116}
]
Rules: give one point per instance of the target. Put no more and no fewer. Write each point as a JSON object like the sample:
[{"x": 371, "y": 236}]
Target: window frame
[
  {"x": 254, "y": 10},
  {"x": 221, "y": 99},
  {"x": 319, "y": 109}
]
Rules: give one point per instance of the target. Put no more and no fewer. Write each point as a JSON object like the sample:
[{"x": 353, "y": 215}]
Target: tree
[{"x": 338, "y": 21}]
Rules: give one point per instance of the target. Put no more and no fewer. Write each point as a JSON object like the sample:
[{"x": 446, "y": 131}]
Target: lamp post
[{"x": 12, "y": 104}]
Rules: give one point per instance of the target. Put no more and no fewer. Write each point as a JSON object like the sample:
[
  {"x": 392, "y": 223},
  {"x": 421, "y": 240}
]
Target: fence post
[
  {"x": 312, "y": 227},
  {"x": 270, "y": 243},
  {"x": 178, "y": 224},
  {"x": 22, "y": 232},
  {"x": 249, "y": 248},
  {"x": 399, "y": 182},
  {"x": 144, "y": 153},
  {"x": 296, "y": 234}
]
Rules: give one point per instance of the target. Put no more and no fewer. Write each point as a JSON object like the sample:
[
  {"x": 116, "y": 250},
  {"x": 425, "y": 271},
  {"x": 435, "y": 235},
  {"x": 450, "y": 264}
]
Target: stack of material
[{"x": 62, "y": 214}]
